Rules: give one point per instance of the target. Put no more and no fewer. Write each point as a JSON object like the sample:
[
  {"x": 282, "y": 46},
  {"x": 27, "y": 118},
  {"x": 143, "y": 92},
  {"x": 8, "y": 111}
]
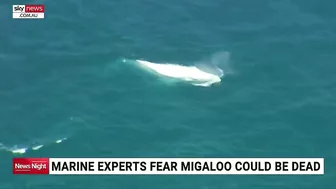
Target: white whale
[{"x": 189, "y": 74}]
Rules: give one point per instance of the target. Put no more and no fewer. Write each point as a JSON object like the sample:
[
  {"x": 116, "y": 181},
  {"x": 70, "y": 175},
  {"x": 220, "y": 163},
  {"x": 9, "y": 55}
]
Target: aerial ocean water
[{"x": 69, "y": 87}]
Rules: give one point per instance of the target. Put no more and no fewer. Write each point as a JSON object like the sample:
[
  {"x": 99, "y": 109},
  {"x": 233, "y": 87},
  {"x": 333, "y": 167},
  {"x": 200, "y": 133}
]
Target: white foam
[
  {"x": 22, "y": 150},
  {"x": 37, "y": 147},
  {"x": 60, "y": 140},
  {"x": 19, "y": 151},
  {"x": 189, "y": 74}
]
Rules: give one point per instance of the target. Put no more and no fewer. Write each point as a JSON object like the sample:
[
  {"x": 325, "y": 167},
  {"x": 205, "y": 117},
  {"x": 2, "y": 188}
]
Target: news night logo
[
  {"x": 30, "y": 166},
  {"x": 28, "y": 11}
]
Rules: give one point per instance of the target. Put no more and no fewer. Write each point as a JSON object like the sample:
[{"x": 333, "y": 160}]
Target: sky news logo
[
  {"x": 30, "y": 165},
  {"x": 28, "y": 11}
]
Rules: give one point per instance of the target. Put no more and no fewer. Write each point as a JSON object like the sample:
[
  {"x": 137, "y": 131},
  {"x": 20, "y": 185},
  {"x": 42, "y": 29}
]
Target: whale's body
[{"x": 185, "y": 73}]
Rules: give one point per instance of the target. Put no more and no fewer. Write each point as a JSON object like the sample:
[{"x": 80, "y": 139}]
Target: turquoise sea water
[{"x": 63, "y": 78}]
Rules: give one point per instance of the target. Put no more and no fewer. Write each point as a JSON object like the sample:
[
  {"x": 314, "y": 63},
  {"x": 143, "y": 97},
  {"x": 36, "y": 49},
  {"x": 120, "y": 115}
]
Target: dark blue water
[{"x": 62, "y": 78}]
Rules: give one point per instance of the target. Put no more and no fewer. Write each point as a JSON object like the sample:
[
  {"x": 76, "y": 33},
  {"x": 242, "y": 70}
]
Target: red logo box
[
  {"x": 30, "y": 165},
  {"x": 34, "y": 8}
]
